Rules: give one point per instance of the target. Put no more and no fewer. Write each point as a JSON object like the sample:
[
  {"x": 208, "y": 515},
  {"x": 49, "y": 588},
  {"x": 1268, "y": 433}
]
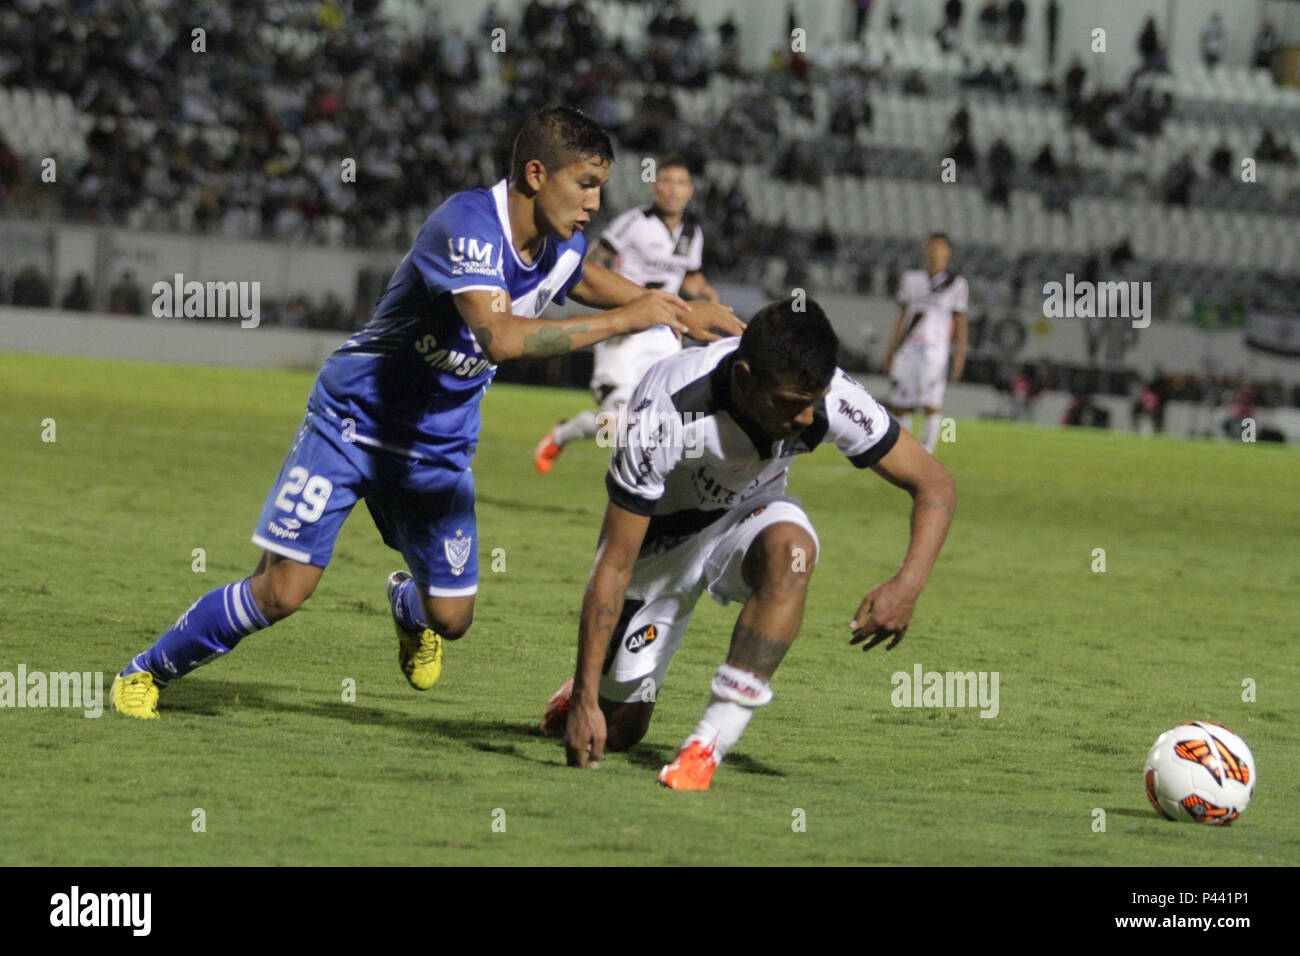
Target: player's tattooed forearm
[
  {"x": 606, "y": 618},
  {"x": 483, "y": 335},
  {"x": 551, "y": 341},
  {"x": 755, "y": 652},
  {"x": 600, "y": 620}
]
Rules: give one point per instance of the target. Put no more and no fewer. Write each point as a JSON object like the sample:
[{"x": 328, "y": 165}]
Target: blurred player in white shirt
[
  {"x": 931, "y": 314},
  {"x": 658, "y": 246}
]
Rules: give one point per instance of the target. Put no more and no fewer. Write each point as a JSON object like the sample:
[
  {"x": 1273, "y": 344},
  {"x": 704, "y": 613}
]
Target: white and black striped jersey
[
  {"x": 686, "y": 454},
  {"x": 651, "y": 256},
  {"x": 931, "y": 302}
]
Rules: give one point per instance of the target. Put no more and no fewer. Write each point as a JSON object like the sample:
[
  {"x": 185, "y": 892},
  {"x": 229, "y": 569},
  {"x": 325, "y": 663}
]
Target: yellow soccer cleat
[
  {"x": 419, "y": 652},
  {"x": 135, "y": 695},
  {"x": 420, "y": 657}
]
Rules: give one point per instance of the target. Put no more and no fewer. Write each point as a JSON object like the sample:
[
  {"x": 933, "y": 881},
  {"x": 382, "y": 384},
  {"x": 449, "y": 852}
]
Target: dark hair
[
  {"x": 673, "y": 161},
  {"x": 558, "y": 136},
  {"x": 782, "y": 343}
]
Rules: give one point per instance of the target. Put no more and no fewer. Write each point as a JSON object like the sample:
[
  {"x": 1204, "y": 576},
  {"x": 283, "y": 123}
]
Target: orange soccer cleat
[
  {"x": 556, "y": 715},
  {"x": 693, "y": 768},
  {"x": 546, "y": 453}
]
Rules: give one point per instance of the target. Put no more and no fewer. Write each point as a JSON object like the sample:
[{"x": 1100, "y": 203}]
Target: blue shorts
[{"x": 423, "y": 510}]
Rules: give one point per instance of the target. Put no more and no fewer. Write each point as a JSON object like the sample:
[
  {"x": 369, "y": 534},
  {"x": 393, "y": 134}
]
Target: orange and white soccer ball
[{"x": 1200, "y": 771}]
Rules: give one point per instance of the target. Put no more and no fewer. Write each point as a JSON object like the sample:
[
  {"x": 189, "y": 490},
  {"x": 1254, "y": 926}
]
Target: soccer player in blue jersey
[{"x": 394, "y": 415}]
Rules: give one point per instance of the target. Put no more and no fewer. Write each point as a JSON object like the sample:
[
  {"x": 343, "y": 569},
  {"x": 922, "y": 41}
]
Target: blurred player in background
[
  {"x": 679, "y": 524},
  {"x": 658, "y": 246},
  {"x": 394, "y": 415},
  {"x": 931, "y": 315}
]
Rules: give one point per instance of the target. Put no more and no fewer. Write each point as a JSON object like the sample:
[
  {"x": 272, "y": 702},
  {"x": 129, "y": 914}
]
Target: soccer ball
[{"x": 1200, "y": 771}]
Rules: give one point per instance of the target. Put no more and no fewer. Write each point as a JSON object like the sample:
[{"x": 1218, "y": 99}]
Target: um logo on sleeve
[
  {"x": 460, "y": 249},
  {"x": 474, "y": 256}
]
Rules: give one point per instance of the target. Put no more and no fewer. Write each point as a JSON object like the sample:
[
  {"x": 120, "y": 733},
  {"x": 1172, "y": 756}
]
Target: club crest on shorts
[
  {"x": 457, "y": 551},
  {"x": 640, "y": 638}
]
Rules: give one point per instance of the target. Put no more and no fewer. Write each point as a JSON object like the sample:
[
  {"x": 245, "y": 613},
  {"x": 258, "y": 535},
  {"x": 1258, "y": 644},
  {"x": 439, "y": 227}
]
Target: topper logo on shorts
[
  {"x": 457, "y": 551},
  {"x": 640, "y": 638}
]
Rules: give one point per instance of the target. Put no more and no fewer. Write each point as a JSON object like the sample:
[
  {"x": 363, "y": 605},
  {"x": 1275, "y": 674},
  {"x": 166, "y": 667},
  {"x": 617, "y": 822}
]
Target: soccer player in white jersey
[
  {"x": 658, "y": 246},
  {"x": 931, "y": 314},
  {"x": 697, "y": 504}
]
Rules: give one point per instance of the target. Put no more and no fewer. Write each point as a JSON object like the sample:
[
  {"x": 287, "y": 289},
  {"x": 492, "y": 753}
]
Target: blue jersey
[{"x": 411, "y": 381}]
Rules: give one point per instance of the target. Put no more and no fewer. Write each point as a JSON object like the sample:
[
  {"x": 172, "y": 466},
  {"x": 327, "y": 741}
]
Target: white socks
[
  {"x": 736, "y": 693},
  {"x": 581, "y": 425},
  {"x": 930, "y": 431}
]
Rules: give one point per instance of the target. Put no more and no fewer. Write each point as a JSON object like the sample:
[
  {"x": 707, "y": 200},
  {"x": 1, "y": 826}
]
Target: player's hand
[
  {"x": 710, "y": 321},
  {"x": 885, "y": 613},
  {"x": 584, "y": 737},
  {"x": 656, "y": 308}
]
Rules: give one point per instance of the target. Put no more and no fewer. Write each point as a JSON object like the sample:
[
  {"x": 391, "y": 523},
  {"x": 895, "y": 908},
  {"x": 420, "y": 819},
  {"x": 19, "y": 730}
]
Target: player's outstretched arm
[
  {"x": 887, "y": 610},
  {"x": 603, "y": 288},
  {"x": 503, "y": 336},
  {"x": 621, "y": 536}
]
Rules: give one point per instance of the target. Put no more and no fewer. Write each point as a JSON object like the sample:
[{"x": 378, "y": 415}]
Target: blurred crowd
[{"x": 253, "y": 144}]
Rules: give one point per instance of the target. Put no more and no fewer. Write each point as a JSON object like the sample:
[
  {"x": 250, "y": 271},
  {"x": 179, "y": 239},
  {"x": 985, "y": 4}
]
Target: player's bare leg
[
  {"x": 778, "y": 566},
  {"x": 929, "y": 436},
  {"x": 625, "y": 722},
  {"x": 212, "y": 627},
  {"x": 281, "y": 585},
  {"x": 449, "y": 616}
]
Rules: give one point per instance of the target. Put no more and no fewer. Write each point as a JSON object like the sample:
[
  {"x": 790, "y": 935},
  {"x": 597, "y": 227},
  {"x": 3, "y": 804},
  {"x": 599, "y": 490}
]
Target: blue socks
[
  {"x": 210, "y": 628},
  {"x": 408, "y": 612}
]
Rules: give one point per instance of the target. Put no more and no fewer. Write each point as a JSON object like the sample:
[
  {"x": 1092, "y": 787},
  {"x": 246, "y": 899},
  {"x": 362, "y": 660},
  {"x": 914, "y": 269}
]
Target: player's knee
[
  {"x": 278, "y": 597},
  {"x": 619, "y": 739},
  {"x": 784, "y": 560},
  {"x": 453, "y": 628},
  {"x": 626, "y": 724},
  {"x": 449, "y": 620}
]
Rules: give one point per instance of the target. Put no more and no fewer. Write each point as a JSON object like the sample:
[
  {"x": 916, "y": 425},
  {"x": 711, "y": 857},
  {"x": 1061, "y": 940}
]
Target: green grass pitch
[{"x": 151, "y": 461}]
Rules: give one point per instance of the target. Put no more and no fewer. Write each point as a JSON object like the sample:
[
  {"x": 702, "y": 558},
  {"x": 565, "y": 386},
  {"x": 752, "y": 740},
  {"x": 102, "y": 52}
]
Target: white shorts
[
  {"x": 918, "y": 379},
  {"x": 609, "y": 398},
  {"x": 621, "y": 362},
  {"x": 669, "y": 578}
]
